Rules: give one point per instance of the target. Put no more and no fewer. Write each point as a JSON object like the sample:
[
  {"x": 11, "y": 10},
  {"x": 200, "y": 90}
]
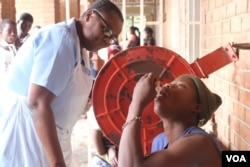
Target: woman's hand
[{"x": 144, "y": 91}]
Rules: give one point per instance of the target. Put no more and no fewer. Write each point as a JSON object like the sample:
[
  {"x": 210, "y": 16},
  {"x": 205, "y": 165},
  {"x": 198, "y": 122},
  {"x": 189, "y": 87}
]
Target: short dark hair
[
  {"x": 6, "y": 21},
  {"x": 26, "y": 17},
  {"x": 105, "y": 6},
  {"x": 135, "y": 29}
]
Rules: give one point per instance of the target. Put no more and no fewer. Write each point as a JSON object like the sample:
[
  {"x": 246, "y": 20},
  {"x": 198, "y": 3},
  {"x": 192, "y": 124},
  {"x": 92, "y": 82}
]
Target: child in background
[
  {"x": 24, "y": 25},
  {"x": 7, "y": 49}
]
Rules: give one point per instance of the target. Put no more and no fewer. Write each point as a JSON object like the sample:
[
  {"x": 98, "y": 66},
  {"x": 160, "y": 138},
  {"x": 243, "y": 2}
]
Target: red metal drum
[{"x": 112, "y": 92}]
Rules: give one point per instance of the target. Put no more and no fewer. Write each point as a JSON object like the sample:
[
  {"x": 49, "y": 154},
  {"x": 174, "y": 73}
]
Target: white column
[
  {"x": 161, "y": 24},
  {"x": 124, "y": 17},
  {"x": 142, "y": 24},
  {"x": 67, "y": 7}
]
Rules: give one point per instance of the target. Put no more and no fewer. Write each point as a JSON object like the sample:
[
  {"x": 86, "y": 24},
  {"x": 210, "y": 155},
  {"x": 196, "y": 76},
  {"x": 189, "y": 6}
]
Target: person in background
[
  {"x": 7, "y": 44},
  {"x": 7, "y": 50},
  {"x": 96, "y": 64},
  {"x": 48, "y": 85},
  {"x": 24, "y": 24},
  {"x": 184, "y": 105},
  {"x": 133, "y": 38},
  {"x": 113, "y": 50},
  {"x": 106, "y": 152},
  {"x": 148, "y": 39}
]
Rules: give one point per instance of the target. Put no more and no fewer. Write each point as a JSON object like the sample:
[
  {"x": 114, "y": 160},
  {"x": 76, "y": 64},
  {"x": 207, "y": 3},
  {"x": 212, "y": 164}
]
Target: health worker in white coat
[{"x": 48, "y": 85}]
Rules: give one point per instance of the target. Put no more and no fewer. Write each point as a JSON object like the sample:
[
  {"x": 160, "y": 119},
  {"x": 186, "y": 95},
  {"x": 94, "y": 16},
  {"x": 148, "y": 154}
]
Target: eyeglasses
[{"x": 107, "y": 30}]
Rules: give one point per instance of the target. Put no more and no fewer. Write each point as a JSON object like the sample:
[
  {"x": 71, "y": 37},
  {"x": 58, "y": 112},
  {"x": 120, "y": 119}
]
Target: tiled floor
[{"x": 79, "y": 142}]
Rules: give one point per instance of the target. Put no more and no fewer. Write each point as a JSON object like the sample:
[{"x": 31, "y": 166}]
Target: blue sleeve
[
  {"x": 159, "y": 142},
  {"x": 54, "y": 58}
]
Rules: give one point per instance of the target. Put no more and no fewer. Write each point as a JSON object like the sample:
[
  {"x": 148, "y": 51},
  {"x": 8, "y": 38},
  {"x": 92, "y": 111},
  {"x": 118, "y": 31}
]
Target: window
[{"x": 194, "y": 27}]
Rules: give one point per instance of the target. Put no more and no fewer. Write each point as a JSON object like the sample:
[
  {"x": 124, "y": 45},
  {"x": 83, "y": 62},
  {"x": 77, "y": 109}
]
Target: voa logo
[{"x": 236, "y": 158}]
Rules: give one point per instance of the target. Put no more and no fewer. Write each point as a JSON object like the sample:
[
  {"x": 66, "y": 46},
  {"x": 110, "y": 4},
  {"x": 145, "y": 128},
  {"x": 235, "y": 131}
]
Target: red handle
[{"x": 214, "y": 61}]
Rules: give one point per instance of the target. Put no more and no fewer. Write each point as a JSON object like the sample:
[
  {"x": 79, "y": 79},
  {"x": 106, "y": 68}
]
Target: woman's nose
[{"x": 166, "y": 86}]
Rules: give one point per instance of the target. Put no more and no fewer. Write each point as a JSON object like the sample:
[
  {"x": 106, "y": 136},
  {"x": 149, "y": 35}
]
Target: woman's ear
[{"x": 197, "y": 108}]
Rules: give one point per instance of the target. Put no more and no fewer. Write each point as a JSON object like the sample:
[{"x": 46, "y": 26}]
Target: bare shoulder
[
  {"x": 190, "y": 151},
  {"x": 198, "y": 150}
]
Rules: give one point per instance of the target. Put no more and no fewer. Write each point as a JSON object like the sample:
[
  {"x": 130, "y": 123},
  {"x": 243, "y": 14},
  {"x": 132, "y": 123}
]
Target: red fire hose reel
[{"x": 112, "y": 92}]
